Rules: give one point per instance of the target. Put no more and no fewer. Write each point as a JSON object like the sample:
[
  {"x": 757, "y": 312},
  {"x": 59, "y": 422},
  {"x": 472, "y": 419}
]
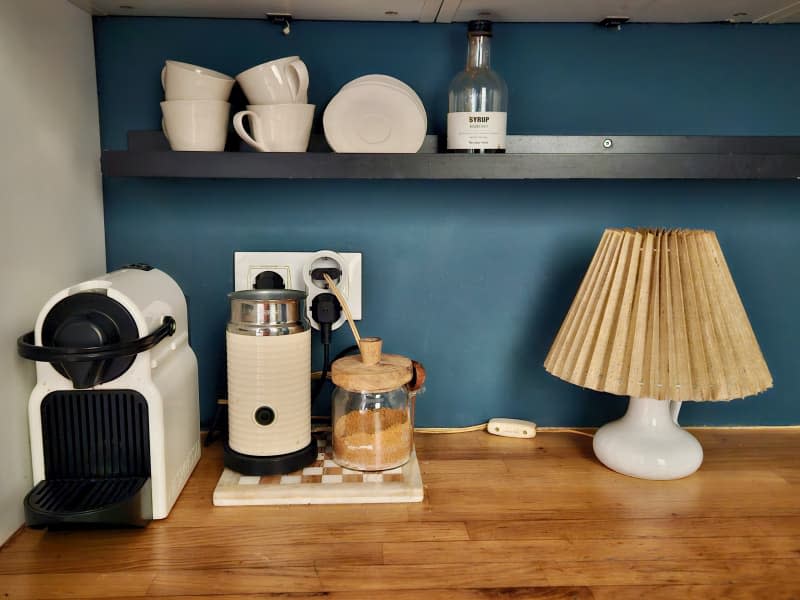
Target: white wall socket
[{"x": 295, "y": 268}]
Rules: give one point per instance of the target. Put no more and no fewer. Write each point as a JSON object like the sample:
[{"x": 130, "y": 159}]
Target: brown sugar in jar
[
  {"x": 373, "y": 408},
  {"x": 372, "y": 439}
]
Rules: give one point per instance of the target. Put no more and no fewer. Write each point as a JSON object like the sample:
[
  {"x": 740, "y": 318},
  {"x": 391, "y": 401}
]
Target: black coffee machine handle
[{"x": 28, "y": 349}]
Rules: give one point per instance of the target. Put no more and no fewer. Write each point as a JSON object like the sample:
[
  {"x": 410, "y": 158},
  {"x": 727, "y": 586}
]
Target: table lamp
[{"x": 657, "y": 318}]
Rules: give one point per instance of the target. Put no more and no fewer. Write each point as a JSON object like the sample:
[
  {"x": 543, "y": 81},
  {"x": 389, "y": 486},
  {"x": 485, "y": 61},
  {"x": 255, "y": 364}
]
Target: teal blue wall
[{"x": 473, "y": 278}]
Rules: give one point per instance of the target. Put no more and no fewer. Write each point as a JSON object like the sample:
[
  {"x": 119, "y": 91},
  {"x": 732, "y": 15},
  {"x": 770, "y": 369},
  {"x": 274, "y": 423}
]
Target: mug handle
[
  {"x": 238, "y": 125},
  {"x": 300, "y": 70},
  {"x": 163, "y": 77}
]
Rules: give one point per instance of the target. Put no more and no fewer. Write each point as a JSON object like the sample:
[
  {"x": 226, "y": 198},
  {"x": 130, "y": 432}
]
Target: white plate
[
  {"x": 374, "y": 117},
  {"x": 412, "y": 95},
  {"x": 378, "y": 78}
]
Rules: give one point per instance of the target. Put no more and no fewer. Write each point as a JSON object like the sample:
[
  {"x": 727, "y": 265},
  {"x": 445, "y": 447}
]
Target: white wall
[{"x": 51, "y": 207}]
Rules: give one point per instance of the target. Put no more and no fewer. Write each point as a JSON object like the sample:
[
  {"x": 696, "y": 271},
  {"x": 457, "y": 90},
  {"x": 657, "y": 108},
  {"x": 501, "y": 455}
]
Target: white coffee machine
[{"x": 114, "y": 416}]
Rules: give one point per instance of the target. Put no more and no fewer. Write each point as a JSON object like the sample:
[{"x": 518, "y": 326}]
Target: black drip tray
[{"x": 108, "y": 501}]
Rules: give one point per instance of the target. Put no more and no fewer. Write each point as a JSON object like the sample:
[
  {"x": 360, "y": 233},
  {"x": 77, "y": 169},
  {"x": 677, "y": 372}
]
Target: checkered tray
[{"x": 323, "y": 482}]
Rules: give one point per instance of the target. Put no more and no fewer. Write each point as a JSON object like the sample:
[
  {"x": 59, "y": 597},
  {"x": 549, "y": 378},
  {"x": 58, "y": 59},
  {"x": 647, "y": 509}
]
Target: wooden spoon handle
[{"x": 345, "y": 307}]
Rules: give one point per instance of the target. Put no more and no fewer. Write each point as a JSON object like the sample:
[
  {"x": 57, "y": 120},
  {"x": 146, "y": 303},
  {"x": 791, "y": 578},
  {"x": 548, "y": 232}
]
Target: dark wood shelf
[{"x": 528, "y": 157}]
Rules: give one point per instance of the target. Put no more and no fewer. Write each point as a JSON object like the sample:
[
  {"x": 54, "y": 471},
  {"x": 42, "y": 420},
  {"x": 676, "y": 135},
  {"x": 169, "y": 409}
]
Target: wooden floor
[{"x": 502, "y": 518}]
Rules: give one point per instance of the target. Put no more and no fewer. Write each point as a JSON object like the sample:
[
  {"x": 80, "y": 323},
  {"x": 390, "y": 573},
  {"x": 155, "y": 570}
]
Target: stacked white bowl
[{"x": 195, "y": 108}]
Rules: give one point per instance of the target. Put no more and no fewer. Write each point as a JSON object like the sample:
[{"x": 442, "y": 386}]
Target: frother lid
[
  {"x": 267, "y": 295},
  {"x": 267, "y": 312}
]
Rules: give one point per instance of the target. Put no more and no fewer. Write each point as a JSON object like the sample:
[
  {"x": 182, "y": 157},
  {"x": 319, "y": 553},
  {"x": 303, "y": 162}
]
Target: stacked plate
[{"x": 375, "y": 113}]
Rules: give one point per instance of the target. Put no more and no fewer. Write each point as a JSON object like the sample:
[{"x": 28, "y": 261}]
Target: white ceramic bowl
[{"x": 183, "y": 81}]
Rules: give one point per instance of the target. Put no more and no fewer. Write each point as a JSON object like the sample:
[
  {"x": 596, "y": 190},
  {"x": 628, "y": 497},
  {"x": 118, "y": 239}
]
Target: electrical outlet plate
[{"x": 295, "y": 268}]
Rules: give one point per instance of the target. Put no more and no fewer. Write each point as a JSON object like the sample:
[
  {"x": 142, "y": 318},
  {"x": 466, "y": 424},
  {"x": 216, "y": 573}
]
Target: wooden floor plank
[
  {"x": 672, "y": 572},
  {"x": 789, "y": 475},
  {"x": 501, "y": 504},
  {"x": 463, "y": 469},
  {"x": 255, "y": 534},
  {"x": 519, "y": 593},
  {"x": 746, "y": 438},
  {"x": 696, "y": 592},
  {"x": 432, "y": 576},
  {"x": 199, "y": 513},
  {"x": 601, "y": 529},
  {"x": 551, "y": 480},
  {"x": 524, "y": 593},
  {"x": 502, "y": 519},
  {"x": 209, "y": 556},
  {"x": 234, "y": 581},
  {"x": 75, "y": 585},
  {"x": 536, "y": 573},
  {"x": 576, "y": 550}
]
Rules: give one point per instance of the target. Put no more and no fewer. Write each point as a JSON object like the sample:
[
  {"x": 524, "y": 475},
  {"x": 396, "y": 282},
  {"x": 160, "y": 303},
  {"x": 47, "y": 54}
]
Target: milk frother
[{"x": 268, "y": 343}]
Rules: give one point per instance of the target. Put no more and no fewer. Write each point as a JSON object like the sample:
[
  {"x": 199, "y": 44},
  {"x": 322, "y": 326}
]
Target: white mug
[
  {"x": 182, "y": 81},
  {"x": 195, "y": 124},
  {"x": 276, "y": 127},
  {"x": 281, "y": 81}
]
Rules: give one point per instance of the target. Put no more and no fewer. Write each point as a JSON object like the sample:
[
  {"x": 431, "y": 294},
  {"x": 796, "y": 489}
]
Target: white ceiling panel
[
  {"x": 446, "y": 11},
  {"x": 325, "y": 10},
  {"x": 788, "y": 14},
  {"x": 593, "y": 11}
]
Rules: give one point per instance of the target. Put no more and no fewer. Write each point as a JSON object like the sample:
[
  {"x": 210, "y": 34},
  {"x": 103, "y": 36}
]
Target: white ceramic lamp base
[{"x": 648, "y": 443}]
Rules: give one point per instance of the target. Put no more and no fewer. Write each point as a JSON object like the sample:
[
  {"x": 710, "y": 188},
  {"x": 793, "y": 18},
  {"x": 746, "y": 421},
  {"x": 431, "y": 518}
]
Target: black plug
[
  {"x": 326, "y": 310},
  {"x": 318, "y": 275},
  {"x": 269, "y": 280}
]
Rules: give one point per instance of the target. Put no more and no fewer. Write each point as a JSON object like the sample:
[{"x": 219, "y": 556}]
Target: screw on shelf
[{"x": 607, "y": 143}]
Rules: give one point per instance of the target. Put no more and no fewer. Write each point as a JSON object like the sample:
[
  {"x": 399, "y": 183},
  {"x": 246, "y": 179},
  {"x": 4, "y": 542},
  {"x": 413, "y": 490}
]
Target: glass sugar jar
[{"x": 373, "y": 408}]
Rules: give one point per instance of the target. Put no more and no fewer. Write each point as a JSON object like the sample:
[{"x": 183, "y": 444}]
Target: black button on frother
[{"x": 264, "y": 415}]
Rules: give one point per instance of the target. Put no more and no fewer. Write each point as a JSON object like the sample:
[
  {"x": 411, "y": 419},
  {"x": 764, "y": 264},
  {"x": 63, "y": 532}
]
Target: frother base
[{"x": 270, "y": 465}]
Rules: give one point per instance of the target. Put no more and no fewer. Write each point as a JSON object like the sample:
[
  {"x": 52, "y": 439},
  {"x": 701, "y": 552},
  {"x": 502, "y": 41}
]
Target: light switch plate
[{"x": 295, "y": 269}]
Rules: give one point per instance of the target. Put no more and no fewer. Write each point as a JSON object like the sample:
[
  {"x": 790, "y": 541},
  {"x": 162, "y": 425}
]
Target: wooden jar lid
[{"x": 372, "y": 371}]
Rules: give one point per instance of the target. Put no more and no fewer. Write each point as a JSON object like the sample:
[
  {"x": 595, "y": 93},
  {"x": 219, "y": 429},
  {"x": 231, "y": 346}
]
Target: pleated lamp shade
[{"x": 658, "y": 315}]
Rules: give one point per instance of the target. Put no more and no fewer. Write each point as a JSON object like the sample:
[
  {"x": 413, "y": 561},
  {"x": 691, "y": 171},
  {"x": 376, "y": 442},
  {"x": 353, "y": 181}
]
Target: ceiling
[
  {"x": 447, "y": 11},
  {"x": 643, "y": 11},
  {"x": 323, "y": 10}
]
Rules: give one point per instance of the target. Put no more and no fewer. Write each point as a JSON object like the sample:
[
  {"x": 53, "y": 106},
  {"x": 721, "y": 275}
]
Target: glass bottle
[{"x": 477, "y": 99}]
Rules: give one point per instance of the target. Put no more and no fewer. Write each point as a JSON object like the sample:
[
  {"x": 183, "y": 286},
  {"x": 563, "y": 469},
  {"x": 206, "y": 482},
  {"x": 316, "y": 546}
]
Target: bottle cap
[{"x": 482, "y": 26}]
